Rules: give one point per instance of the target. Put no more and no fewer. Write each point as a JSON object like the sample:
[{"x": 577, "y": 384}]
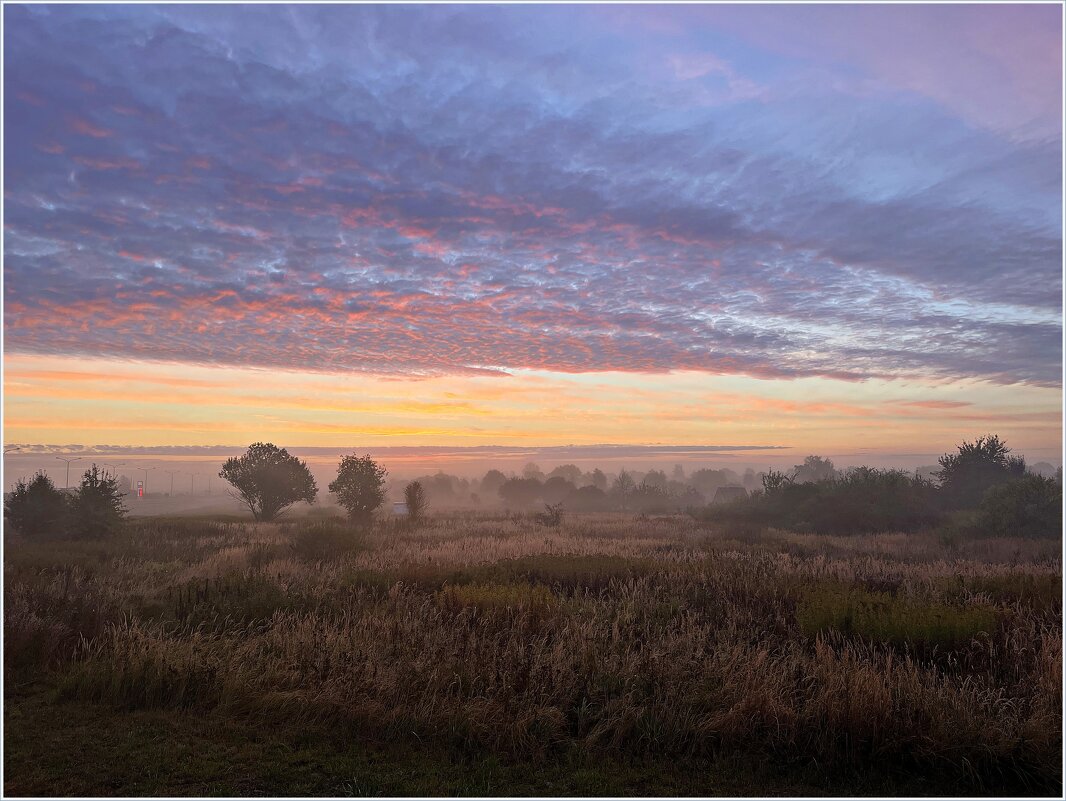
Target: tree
[
  {"x": 520, "y": 491},
  {"x": 96, "y": 509},
  {"x": 268, "y": 480},
  {"x": 532, "y": 470},
  {"x": 599, "y": 479},
  {"x": 491, "y": 483},
  {"x": 415, "y": 497},
  {"x": 623, "y": 488},
  {"x": 570, "y": 472},
  {"x": 1028, "y": 507},
  {"x": 814, "y": 468},
  {"x": 965, "y": 476},
  {"x": 360, "y": 487},
  {"x": 36, "y": 507},
  {"x": 655, "y": 478},
  {"x": 556, "y": 489}
]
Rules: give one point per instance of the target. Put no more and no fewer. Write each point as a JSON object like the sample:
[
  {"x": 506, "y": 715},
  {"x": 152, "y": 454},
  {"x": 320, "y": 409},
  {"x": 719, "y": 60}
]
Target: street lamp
[
  {"x": 115, "y": 465},
  {"x": 68, "y": 460},
  {"x": 172, "y": 472}
]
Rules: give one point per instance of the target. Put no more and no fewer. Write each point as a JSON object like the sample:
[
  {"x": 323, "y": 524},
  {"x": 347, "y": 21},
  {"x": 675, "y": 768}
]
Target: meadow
[{"x": 487, "y": 653}]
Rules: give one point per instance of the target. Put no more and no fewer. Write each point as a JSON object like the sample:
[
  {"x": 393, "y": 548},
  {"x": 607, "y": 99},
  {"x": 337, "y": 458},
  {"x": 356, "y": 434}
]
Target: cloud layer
[{"x": 448, "y": 190}]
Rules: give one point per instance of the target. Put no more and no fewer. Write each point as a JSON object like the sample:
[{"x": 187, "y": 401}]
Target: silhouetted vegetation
[
  {"x": 359, "y": 487},
  {"x": 965, "y": 476},
  {"x": 415, "y": 498},
  {"x": 36, "y": 508},
  {"x": 96, "y": 510},
  {"x": 268, "y": 480}
]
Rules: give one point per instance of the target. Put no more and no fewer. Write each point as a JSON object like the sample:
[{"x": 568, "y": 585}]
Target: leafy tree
[
  {"x": 623, "y": 487},
  {"x": 1028, "y": 507},
  {"x": 268, "y": 480},
  {"x": 96, "y": 509},
  {"x": 491, "y": 483},
  {"x": 415, "y": 497},
  {"x": 569, "y": 472},
  {"x": 36, "y": 507},
  {"x": 360, "y": 487},
  {"x": 556, "y": 489},
  {"x": 655, "y": 478},
  {"x": 532, "y": 470},
  {"x": 774, "y": 480},
  {"x": 814, "y": 468},
  {"x": 521, "y": 491},
  {"x": 587, "y": 499},
  {"x": 965, "y": 476},
  {"x": 599, "y": 479}
]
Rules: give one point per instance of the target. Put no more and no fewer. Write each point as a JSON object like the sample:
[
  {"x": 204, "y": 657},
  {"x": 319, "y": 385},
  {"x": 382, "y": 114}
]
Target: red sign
[{"x": 140, "y": 489}]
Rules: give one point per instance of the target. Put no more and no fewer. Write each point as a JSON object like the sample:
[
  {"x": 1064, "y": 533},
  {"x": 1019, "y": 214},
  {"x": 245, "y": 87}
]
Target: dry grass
[{"x": 608, "y": 634}]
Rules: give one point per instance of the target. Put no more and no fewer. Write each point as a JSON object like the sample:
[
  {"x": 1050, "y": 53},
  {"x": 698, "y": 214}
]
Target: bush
[
  {"x": 415, "y": 497},
  {"x": 36, "y": 507},
  {"x": 864, "y": 500},
  {"x": 1028, "y": 507},
  {"x": 96, "y": 509}
]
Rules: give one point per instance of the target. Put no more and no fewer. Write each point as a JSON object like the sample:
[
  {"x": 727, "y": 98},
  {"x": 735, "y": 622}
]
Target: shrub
[
  {"x": 36, "y": 507},
  {"x": 96, "y": 509},
  {"x": 359, "y": 487},
  {"x": 552, "y": 515},
  {"x": 268, "y": 480},
  {"x": 415, "y": 497},
  {"x": 1028, "y": 507}
]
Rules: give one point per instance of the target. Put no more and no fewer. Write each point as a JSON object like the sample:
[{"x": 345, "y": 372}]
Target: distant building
[
  {"x": 399, "y": 508},
  {"x": 730, "y": 492}
]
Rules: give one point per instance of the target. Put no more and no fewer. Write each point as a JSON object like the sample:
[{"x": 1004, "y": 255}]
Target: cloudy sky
[{"x": 811, "y": 226}]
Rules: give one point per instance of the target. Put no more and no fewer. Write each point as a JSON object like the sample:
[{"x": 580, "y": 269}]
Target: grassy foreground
[{"x": 480, "y": 655}]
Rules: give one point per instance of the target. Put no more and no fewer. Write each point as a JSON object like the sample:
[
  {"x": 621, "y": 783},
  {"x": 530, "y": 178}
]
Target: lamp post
[
  {"x": 68, "y": 460},
  {"x": 115, "y": 465},
  {"x": 172, "y": 473}
]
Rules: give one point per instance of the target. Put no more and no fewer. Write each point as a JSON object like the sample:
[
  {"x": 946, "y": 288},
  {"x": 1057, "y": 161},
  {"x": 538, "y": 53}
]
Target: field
[{"x": 491, "y": 654}]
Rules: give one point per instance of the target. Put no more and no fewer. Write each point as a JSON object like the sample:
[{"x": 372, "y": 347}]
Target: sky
[{"x": 828, "y": 229}]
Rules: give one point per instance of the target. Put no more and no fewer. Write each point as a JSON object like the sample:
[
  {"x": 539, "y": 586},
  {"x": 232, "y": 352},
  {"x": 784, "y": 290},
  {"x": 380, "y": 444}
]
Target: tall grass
[{"x": 606, "y": 634}]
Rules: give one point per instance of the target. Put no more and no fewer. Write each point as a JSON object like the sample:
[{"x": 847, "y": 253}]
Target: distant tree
[
  {"x": 532, "y": 470},
  {"x": 775, "y": 480},
  {"x": 599, "y": 479},
  {"x": 623, "y": 487},
  {"x": 36, "y": 507},
  {"x": 359, "y": 487},
  {"x": 587, "y": 499},
  {"x": 708, "y": 481},
  {"x": 491, "y": 483},
  {"x": 814, "y": 468},
  {"x": 268, "y": 480},
  {"x": 647, "y": 497},
  {"x": 520, "y": 492},
  {"x": 569, "y": 472},
  {"x": 1028, "y": 507},
  {"x": 556, "y": 489},
  {"x": 656, "y": 478},
  {"x": 679, "y": 473},
  {"x": 96, "y": 508},
  {"x": 415, "y": 497},
  {"x": 965, "y": 476},
  {"x": 750, "y": 480}
]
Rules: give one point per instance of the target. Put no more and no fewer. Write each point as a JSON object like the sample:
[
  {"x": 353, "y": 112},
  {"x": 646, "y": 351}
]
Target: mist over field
[{"x": 532, "y": 400}]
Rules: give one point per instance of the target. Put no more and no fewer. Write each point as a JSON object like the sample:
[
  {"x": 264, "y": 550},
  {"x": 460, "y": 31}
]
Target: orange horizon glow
[{"x": 52, "y": 399}]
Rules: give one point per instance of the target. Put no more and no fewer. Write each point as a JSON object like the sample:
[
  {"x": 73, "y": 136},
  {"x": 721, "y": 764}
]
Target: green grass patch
[{"x": 882, "y": 617}]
